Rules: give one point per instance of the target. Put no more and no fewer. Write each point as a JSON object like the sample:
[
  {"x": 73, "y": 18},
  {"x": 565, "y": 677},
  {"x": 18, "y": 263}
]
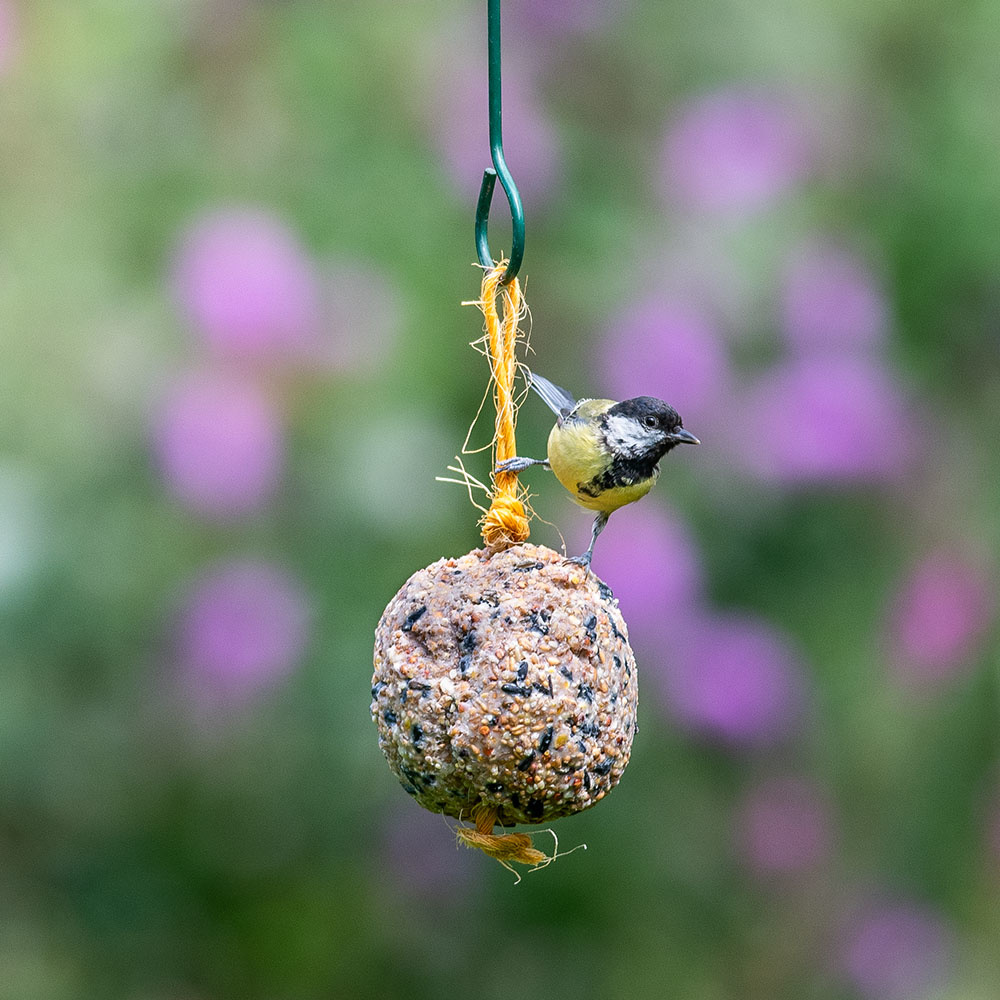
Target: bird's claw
[
  {"x": 518, "y": 464},
  {"x": 583, "y": 560}
]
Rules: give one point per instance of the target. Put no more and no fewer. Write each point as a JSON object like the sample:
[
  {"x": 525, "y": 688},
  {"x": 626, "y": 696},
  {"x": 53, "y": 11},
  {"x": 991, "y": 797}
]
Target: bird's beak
[{"x": 681, "y": 436}]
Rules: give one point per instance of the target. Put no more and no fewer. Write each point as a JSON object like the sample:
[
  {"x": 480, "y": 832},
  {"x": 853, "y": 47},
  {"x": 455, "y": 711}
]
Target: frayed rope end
[{"x": 508, "y": 847}]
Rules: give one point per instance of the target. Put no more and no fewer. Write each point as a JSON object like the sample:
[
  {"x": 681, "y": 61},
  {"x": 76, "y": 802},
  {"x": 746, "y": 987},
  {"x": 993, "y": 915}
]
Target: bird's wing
[{"x": 559, "y": 401}]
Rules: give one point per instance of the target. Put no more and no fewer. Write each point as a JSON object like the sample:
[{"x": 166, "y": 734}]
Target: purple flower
[
  {"x": 246, "y": 285},
  {"x": 218, "y": 446},
  {"x": 735, "y": 680},
  {"x": 733, "y": 151},
  {"x": 784, "y": 827},
  {"x": 668, "y": 349},
  {"x": 458, "y": 120},
  {"x": 897, "y": 951},
  {"x": 421, "y": 858},
  {"x": 243, "y": 628},
  {"x": 650, "y": 560},
  {"x": 365, "y": 316},
  {"x": 940, "y": 616},
  {"x": 832, "y": 301},
  {"x": 826, "y": 420}
]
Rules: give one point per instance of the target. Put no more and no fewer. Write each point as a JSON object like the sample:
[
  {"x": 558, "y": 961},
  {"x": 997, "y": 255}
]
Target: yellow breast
[
  {"x": 577, "y": 454},
  {"x": 617, "y": 496}
]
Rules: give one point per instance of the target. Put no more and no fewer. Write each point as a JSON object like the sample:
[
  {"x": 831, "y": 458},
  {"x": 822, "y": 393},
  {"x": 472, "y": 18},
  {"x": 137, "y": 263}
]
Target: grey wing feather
[{"x": 559, "y": 401}]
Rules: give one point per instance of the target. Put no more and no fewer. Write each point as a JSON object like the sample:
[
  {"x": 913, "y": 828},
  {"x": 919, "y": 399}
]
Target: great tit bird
[{"x": 605, "y": 453}]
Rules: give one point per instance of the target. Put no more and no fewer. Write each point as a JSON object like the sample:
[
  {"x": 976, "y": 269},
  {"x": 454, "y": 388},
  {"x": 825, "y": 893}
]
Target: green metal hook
[{"x": 499, "y": 165}]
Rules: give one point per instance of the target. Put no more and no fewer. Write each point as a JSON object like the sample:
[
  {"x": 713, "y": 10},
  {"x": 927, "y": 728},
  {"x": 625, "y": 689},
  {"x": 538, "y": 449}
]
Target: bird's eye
[{"x": 650, "y": 421}]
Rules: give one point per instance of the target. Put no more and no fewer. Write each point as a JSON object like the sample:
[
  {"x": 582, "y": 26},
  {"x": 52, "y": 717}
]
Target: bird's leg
[
  {"x": 584, "y": 560},
  {"x": 520, "y": 464}
]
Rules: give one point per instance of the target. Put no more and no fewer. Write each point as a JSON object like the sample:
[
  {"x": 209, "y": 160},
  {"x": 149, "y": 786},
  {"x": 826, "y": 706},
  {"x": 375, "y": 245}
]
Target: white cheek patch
[{"x": 628, "y": 437}]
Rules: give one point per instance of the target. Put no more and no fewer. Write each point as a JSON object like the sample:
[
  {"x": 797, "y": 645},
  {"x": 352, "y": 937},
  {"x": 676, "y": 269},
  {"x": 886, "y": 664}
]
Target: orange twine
[
  {"x": 503, "y": 525},
  {"x": 506, "y": 522},
  {"x": 507, "y": 847}
]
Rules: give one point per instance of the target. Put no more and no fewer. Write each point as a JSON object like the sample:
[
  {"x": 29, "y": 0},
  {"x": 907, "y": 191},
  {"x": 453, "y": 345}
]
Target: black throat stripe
[{"x": 621, "y": 472}]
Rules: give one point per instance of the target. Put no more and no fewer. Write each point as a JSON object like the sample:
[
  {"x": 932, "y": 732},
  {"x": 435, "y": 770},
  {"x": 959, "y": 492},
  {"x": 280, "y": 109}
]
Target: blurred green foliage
[{"x": 152, "y": 853}]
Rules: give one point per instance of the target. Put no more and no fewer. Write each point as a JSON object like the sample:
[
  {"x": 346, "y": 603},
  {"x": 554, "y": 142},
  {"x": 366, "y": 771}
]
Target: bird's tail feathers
[{"x": 559, "y": 401}]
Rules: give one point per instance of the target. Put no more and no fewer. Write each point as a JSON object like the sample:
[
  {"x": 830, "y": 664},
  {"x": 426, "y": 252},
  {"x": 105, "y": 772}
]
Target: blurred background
[{"x": 235, "y": 239}]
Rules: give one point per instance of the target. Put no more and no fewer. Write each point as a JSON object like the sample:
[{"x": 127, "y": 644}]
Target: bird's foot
[
  {"x": 583, "y": 560},
  {"x": 518, "y": 464}
]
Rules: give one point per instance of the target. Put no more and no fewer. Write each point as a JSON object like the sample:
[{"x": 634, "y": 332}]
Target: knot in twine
[
  {"x": 507, "y": 847},
  {"x": 506, "y": 521}
]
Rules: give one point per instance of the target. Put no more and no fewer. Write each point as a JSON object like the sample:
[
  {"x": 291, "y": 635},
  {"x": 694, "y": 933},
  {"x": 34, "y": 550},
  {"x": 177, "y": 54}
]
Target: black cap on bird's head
[{"x": 653, "y": 425}]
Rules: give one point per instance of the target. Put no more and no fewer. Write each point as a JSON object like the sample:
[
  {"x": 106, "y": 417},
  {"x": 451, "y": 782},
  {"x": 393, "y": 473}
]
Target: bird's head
[{"x": 645, "y": 428}]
